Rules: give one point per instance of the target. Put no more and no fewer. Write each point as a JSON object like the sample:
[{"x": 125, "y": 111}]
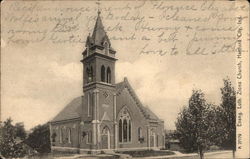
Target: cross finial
[{"x": 98, "y": 4}]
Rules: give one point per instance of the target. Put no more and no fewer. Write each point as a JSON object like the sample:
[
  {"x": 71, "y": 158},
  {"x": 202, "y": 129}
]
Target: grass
[
  {"x": 48, "y": 155},
  {"x": 147, "y": 153}
]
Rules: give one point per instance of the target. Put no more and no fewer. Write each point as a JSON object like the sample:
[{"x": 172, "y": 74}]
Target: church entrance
[
  {"x": 152, "y": 139},
  {"x": 105, "y": 138}
]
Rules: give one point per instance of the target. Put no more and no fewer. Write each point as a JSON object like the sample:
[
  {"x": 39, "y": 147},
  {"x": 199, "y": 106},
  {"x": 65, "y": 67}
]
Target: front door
[
  {"x": 152, "y": 139},
  {"x": 105, "y": 137}
]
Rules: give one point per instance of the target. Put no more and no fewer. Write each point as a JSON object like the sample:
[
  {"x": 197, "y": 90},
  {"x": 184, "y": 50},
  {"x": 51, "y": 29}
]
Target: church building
[{"x": 108, "y": 115}]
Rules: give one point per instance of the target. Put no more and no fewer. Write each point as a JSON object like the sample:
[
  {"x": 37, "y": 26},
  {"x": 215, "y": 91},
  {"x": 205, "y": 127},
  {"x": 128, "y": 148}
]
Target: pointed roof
[
  {"x": 70, "y": 111},
  {"x": 98, "y": 38},
  {"x": 147, "y": 113},
  {"x": 99, "y": 34}
]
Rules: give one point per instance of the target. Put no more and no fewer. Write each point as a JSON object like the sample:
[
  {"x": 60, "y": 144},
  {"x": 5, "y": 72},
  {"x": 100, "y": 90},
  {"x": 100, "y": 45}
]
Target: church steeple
[
  {"x": 99, "y": 39},
  {"x": 98, "y": 33},
  {"x": 98, "y": 58}
]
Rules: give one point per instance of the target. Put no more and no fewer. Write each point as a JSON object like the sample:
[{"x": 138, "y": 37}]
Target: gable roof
[
  {"x": 151, "y": 114},
  {"x": 147, "y": 113},
  {"x": 74, "y": 108},
  {"x": 70, "y": 111}
]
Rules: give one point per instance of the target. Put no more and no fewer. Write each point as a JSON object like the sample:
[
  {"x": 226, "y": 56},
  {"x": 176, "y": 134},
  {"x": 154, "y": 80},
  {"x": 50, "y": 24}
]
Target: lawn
[
  {"x": 147, "y": 153},
  {"x": 48, "y": 156}
]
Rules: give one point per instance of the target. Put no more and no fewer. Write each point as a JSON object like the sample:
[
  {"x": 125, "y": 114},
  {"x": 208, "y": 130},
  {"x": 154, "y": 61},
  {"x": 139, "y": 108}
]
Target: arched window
[
  {"x": 120, "y": 130},
  {"x": 89, "y": 74},
  {"x": 108, "y": 75},
  {"x": 125, "y": 127},
  {"x": 103, "y": 73}
]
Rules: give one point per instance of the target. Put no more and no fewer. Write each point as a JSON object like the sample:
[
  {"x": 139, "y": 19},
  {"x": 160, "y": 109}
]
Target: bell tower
[
  {"x": 98, "y": 59},
  {"x": 99, "y": 85}
]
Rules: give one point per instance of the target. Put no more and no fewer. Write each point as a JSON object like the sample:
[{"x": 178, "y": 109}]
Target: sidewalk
[
  {"x": 99, "y": 156},
  {"x": 85, "y": 156},
  {"x": 179, "y": 154}
]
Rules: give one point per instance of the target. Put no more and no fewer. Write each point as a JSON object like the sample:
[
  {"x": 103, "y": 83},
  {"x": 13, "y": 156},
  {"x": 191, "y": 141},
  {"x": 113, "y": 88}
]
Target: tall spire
[{"x": 99, "y": 33}]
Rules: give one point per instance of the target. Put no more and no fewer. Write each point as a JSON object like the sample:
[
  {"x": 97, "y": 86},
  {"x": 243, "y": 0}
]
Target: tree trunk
[
  {"x": 233, "y": 154},
  {"x": 201, "y": 153}
]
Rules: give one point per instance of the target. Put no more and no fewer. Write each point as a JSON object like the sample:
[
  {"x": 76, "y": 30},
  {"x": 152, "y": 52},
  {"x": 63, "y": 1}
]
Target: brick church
[{"x": 109, "y": 115}]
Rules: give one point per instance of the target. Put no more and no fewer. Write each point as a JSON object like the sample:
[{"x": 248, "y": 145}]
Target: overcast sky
[{"x": 40, "y": 78}]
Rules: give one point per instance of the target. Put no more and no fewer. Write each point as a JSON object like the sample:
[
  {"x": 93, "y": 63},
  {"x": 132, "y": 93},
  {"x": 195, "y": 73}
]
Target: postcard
[{"x": 125, "y": 79}]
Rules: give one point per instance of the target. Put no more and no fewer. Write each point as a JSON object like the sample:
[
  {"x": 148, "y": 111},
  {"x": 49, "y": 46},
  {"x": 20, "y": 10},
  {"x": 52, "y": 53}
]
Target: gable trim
[
  {"x": 135, "y": 98},
  {"x": 143, "y": 110}
]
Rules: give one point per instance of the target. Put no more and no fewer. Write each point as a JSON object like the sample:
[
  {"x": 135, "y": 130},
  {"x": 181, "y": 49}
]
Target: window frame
[
  {"x": 125, "y": 117},
  {"x": 90, "y": 74}
]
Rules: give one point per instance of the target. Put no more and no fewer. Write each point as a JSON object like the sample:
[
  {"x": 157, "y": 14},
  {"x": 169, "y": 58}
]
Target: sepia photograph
[{"x": 109, "y": 79}]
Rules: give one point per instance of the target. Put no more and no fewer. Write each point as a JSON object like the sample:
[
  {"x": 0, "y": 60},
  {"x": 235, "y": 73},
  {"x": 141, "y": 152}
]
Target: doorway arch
[{"x": 105, "y": 138}]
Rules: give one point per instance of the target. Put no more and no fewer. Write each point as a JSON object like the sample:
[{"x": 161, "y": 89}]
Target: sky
[{"x": 39, "y": 78}]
